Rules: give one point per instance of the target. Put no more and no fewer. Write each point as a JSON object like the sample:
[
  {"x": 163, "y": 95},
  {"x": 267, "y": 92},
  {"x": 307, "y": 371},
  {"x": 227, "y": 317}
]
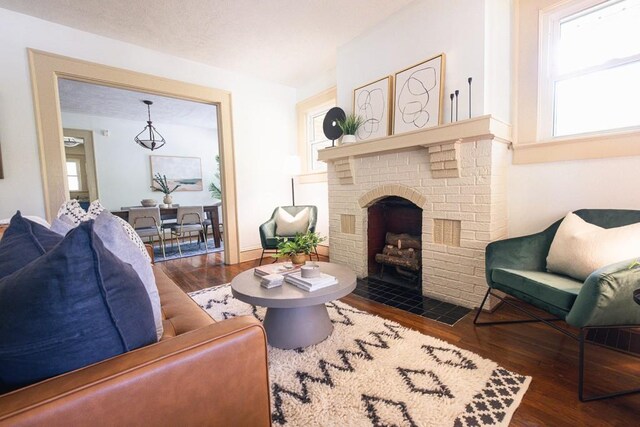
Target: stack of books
[
  {"x": 310, "y": 284},
  {"x": 277, "y": 268},
  {"x": 271, "y": 281}
]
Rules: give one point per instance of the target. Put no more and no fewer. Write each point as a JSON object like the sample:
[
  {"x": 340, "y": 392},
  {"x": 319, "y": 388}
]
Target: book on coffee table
[
  {"x": 310, "y": 283},
  {"x": 276, "y": 268}
]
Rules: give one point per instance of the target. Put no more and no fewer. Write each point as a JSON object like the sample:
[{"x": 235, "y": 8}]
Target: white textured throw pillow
[
  {"x": 579, "y": 248},
  {"x": 72, "y": 213},
  {"x": 289, "y": 225}
]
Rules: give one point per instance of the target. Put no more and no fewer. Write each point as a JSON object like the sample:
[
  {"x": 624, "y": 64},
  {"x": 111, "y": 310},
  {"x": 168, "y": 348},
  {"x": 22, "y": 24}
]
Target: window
[
  {"x": 311, "y": 137},
  {"x": 316, "y": 139},
  {"x": 73, "y": 175},
  {"x": 589, "y": 68}
]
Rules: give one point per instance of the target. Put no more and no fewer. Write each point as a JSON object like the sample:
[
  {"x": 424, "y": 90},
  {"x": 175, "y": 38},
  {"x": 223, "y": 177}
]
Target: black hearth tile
[
  {"x": 448, "y": 320},
  {"x": 431, "y": 315},
  {"x": 416, "y": 310},
  {"x": 378, "y": 298},
  {"x": 449, "y": 305},
  {"x": 441, "y": 309},
  {"x": 459, "y": 311},
  {"x": 416, "y": 299},
  {"x": 404, "y": 306},
  {"x": 430, "y": 304}
]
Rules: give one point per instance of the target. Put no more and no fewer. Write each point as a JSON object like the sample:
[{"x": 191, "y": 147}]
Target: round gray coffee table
[{"x": 295, "y": 318}]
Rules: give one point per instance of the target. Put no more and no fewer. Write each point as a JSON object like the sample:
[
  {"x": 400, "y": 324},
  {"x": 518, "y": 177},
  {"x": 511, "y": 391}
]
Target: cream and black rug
[{"x": 372, "y": 371}]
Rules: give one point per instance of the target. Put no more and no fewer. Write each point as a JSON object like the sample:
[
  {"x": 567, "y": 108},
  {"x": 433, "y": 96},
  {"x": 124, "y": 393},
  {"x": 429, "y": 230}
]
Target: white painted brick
[{"x": 443, "y": 156}]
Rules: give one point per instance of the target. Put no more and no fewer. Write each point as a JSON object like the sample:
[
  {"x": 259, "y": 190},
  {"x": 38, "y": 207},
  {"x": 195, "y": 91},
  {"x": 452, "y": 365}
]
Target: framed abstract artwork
[
  {"x": 186, "y": 171},
  {"x": 418, "y": 96},
  {"x": 372, "y": 102}
]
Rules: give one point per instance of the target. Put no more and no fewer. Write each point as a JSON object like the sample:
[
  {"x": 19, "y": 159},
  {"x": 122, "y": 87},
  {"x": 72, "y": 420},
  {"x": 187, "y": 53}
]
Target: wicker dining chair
[{"x": 147, "y": 223}]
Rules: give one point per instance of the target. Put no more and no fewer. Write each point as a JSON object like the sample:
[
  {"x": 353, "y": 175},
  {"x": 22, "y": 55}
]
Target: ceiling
[
  {"x": 286, "y": 41},
  {"x": 96, "y": 100}
]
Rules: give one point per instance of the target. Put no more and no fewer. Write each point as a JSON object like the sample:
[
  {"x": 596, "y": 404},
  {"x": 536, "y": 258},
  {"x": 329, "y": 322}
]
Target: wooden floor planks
[{"x": 530, "y": 349}]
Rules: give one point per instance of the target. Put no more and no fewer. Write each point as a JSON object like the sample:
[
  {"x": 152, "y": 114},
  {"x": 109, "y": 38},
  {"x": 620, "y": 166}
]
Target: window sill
[
  {"x": 312, "y": 177},
  {"x": 604, "y": 145}
]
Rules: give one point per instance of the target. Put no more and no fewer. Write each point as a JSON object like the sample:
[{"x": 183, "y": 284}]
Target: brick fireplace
[{"x": 456, "y": 174}]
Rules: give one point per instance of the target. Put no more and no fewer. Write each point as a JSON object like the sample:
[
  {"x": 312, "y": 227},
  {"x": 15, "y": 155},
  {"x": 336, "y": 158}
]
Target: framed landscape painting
[
  {"x": 372, "y": 102},
  {"x": 418, "y": 96},
  {"x": 186, "y": 171}
]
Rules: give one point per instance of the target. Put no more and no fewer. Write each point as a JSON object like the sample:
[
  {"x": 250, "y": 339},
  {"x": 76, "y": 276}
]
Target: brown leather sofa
[{"x": 201, "y": 372}]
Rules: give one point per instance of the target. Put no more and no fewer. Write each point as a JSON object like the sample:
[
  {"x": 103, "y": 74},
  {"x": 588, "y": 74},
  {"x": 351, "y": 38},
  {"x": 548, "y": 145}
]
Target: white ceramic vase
[
  {"x": 348, "y": 139},
  {"x": 167, "y": 199}
]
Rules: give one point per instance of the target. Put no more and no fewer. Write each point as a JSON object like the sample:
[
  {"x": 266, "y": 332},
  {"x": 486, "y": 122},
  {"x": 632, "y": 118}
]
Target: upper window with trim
[
  {"x": 311, "y": 137},
  {"x": 589, "y": 68}
]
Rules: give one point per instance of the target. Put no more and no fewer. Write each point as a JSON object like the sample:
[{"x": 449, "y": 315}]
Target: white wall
[
  {"x": 423, "y": 29},
  {"x": 539, "y": 194},
  {"x": 123, "y": 168},
  {"x": 263, "y": 116}
]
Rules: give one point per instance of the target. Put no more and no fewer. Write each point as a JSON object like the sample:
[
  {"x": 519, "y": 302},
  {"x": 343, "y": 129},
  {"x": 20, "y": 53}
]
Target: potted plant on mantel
[
  {"x": 299, "y": 247},
  {"x": 349, "y": 127},
  {"x": 161, "y": 180}
]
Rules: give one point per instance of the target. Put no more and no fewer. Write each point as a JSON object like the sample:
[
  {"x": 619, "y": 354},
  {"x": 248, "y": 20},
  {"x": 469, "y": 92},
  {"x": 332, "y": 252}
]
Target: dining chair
[
  {"x": 147, "y": 223},
  {"x": 189, "y": 220}
]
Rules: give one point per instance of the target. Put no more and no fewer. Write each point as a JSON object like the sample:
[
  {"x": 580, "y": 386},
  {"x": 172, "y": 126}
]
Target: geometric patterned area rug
[
  {"x": 189, "y": 249},
  {"x": 373, "y": 371}
]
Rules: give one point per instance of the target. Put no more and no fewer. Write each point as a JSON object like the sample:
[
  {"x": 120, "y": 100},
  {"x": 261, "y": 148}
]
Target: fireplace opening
[{"x": 394, "y": 238}]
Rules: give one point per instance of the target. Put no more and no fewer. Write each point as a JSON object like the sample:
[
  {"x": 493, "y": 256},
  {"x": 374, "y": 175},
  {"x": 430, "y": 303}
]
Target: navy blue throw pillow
[
  {"x": 22, "y": 242},
  {"x": 73, "y": 306}
]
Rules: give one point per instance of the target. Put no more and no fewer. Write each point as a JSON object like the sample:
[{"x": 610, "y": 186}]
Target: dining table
[{"x": 169, "y": 212}]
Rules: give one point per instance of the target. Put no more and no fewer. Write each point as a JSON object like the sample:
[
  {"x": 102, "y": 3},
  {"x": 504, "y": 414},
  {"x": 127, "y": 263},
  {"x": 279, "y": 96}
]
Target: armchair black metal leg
[
  {"x": 509, "y": 322},
  {"x": 317, "y": 255},
  {"x": 261, "y": 256},
  {"x": 581, "y": 342}
]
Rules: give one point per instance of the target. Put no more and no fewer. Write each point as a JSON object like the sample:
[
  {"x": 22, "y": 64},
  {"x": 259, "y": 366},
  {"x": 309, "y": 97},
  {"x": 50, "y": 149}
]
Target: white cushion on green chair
[
  {"x": 580, "y": 248},
  {"x": 289, "y": 225}
]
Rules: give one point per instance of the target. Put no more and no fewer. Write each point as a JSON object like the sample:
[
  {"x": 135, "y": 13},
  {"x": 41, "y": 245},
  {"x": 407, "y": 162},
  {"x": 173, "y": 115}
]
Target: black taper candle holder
[
  {"x": 451, "y": 97},
  {"x": 469, "y": 80},
  {"x": 457, "y": 92}
]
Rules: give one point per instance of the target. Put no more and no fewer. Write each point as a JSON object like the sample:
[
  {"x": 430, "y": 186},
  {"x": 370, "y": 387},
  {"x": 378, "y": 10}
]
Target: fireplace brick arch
[{"x": 372, "y": 196}]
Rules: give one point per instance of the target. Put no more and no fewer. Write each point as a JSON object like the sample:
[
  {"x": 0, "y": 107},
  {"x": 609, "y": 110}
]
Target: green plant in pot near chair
[{"x": 300, "y": 247}]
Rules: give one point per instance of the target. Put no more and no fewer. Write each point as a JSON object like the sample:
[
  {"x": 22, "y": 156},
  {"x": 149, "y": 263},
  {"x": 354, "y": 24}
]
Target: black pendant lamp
[{"x": 149, "y": 137}]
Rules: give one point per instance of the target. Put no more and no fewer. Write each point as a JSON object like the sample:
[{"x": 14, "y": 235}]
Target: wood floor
[{"x": 530, "y": 349}]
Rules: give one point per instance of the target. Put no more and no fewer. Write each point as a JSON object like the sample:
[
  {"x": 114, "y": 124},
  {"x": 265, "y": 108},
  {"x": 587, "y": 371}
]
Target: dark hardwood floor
[{"x": 530, "y": 349}]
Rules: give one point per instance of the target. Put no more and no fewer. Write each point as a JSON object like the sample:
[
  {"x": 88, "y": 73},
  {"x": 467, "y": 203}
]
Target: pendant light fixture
[{"x": 149, "y": 137}]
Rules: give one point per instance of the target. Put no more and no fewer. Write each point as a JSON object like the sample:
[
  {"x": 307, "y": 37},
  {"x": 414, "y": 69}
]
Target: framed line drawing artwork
[
  {"x": 418, "y": 96},
  {"x": 372, "y": 102},
  {"x": 186, "y": 171}
]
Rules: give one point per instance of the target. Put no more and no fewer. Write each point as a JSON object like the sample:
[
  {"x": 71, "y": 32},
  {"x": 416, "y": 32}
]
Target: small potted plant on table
[
  {"x": 299, "y": 247},
  {"x": 349, "y": 127},
  {"x": 161, "y": 180}
]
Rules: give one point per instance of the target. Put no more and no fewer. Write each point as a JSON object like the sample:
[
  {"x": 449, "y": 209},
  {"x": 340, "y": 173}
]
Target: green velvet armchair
[
  {"x": 269, "y": 234},
  {"x": 605, "y": 299}
]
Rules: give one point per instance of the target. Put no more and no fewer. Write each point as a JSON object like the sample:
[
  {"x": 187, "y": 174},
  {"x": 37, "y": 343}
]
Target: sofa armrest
[
  {"x": 213, "y": 375},
  {"x": 522, "y": 253},
  {"x": 606, "y": 298},
  {"x": 268, "y": 229}
]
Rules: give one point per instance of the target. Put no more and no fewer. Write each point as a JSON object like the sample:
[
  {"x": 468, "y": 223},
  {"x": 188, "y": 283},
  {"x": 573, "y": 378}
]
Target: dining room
[{"x": 135, "y": 151}]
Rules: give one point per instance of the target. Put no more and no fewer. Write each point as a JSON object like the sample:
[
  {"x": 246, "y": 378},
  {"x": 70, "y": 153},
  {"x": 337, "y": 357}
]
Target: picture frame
[
  {"x": 186, "y": 171},
  {"x": 418, "y": 96},
  {"x": 373, "y": 102}
]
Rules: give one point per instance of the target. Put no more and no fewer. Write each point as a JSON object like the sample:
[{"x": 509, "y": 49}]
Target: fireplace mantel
[{"x": 476, "y": 128}]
